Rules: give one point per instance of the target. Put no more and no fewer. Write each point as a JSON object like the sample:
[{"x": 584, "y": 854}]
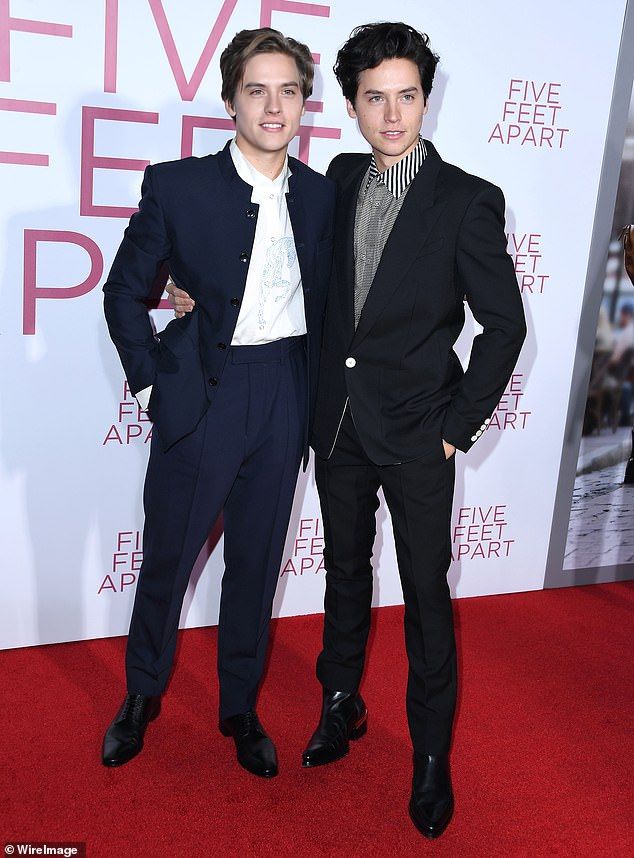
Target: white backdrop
[{"x": 91, "y": 91}]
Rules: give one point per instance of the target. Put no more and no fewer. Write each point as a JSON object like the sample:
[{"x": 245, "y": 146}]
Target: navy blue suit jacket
[{"x": 196, "y": 216}]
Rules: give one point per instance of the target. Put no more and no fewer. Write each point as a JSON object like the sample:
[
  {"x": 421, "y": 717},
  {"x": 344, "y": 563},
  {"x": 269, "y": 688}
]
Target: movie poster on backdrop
[
  {"x": 600, "y": 536},
  {"x": 92, "y": 92}
]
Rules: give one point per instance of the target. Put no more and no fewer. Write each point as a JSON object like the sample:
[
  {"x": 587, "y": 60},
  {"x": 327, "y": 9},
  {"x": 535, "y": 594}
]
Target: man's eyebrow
[
  {"x": 264, "y": 85},
  {"x": 380, "y": 91}
]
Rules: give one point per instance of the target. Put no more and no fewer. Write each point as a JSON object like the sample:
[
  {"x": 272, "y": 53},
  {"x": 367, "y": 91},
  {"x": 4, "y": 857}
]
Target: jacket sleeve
[
  {"x": 130, "y": 282},
  {"x": 486, "y": 277}
]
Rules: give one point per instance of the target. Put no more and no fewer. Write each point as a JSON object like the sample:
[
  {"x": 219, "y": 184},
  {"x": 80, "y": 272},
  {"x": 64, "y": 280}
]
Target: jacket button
[
  {"x": 235, "y": 302},
  {"x": 222, "y": 346},
  {"x": 350, "y": 362},
  {"x": 244, "y": 257},
  {"x": 251, "y": 213},
  {"x": 213, "y": 381},
  {"x": 474, "y": 437}
]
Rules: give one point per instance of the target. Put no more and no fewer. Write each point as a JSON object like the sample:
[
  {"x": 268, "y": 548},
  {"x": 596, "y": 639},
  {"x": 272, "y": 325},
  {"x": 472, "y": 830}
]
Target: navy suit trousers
[{"x": 242, "y": 459}]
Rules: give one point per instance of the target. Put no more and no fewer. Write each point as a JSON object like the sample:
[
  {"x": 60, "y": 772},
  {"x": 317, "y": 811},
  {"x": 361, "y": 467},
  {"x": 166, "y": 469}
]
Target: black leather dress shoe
[
  {"x": 124, "y": 737},
  {"x": 343, "y": 716},
  {"x": 256, "y": 751},
  {"x": 431, "y": 804}
]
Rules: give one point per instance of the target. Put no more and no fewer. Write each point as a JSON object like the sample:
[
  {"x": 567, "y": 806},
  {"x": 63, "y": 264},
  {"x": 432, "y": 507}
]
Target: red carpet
[{"x": 542, "y": 760}]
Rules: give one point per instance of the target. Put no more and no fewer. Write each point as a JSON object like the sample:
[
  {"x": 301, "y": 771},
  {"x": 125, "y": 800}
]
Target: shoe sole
[{"x": 357, "y": 731}]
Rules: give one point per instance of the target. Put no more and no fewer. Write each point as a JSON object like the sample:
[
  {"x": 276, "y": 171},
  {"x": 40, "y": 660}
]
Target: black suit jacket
[
  {"x": 406, "y": 387},
  {"x": 196, "y": 215}
]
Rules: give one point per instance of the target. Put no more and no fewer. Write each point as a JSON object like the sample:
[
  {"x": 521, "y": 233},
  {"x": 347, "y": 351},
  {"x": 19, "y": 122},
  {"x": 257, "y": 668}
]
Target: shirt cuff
[{"x": 143, "y": 397}]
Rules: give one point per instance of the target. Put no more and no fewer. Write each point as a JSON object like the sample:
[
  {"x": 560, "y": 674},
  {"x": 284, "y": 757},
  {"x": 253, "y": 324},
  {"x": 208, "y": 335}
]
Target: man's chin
[
  {"x": 393, "y": 148},
  {"x": 275, "y": 142}
]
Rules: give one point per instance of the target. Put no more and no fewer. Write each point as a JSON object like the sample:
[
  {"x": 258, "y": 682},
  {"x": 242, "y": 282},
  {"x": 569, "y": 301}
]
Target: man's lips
[
  {"x": 272, "y": 126},
  {"x": 392, "y": 133}
]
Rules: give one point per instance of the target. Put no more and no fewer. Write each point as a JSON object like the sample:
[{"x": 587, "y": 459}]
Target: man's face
[
  {"x": 389, "y": 108},
  {"x": 268, "y": 105}
]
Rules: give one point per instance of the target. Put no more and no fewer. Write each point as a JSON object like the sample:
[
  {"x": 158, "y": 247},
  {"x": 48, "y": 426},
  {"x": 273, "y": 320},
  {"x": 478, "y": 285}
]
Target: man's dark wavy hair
[{"x": 370, "y": 44}]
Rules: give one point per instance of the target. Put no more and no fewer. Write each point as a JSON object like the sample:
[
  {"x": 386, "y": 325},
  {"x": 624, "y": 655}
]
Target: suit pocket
[
  {"x": 445, "y": 458},
  {"x": 176, "y": 336}
]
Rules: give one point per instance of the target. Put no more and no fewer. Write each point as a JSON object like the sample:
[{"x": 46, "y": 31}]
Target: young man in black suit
[
  {"x": 414, "y": 238},
  {"x": 231, "y": 387}
]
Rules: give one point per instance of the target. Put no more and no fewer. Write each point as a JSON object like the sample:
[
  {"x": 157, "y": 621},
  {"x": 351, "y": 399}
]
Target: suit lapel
[
  {"x": 416, "y": 218},
  {"x": 344, "y": 240},
  {"x": 299, "y": 222}
]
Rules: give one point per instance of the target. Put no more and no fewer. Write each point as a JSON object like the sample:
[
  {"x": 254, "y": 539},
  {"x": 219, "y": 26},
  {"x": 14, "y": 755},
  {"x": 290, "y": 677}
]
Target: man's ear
[
  {"x": 230, "y": 109},
  {"x": 350, "y": 108}
]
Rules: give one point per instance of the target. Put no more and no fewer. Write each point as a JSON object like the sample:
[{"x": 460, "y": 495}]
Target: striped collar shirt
[{"x": 399, "y": 176}]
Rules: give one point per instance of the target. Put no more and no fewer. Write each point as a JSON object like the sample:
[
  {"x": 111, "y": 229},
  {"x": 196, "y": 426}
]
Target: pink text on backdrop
[
  {"x": 308, "y": 549},
  {"x": 481, "y": 532},
  {"x": 132, "y": 424},
  {"x": 126, "y": 562},
  {"x": 90, "y": 162},
  {"x": 530, "y": 115},
  {"x": 34, "y": 293},
  {"x": 526, "y": 252},
  {"x": 508, "y": 413},
  {"x": 17, "y": 105},
  {"x": 8, "y": 23},
  {"x": 188, "y": 89}
]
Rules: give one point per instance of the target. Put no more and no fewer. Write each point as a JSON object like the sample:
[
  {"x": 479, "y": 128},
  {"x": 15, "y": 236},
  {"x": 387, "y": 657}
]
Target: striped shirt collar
[{"x": 399, "y": 176}]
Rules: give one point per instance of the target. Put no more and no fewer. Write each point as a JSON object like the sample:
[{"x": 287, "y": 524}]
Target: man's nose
[{"x": 392, "y": 112}]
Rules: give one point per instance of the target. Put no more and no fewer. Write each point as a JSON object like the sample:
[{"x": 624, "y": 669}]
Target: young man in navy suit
[
  {"x": 230, "y": 388},
  {"x": 415, "y": 238}
]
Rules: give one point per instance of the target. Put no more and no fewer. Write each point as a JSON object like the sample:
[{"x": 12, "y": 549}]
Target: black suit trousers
[{"x": 419, "y": 497}]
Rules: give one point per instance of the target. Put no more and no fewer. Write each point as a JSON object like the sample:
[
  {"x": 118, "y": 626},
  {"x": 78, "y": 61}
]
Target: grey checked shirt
[{"x": 380, "y": 199}]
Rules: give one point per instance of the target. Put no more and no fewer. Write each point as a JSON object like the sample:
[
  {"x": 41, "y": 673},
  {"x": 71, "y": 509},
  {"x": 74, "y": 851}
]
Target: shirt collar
[
  {"x": 253, "y": 177},
  {"x": 399, "y": 176}
]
